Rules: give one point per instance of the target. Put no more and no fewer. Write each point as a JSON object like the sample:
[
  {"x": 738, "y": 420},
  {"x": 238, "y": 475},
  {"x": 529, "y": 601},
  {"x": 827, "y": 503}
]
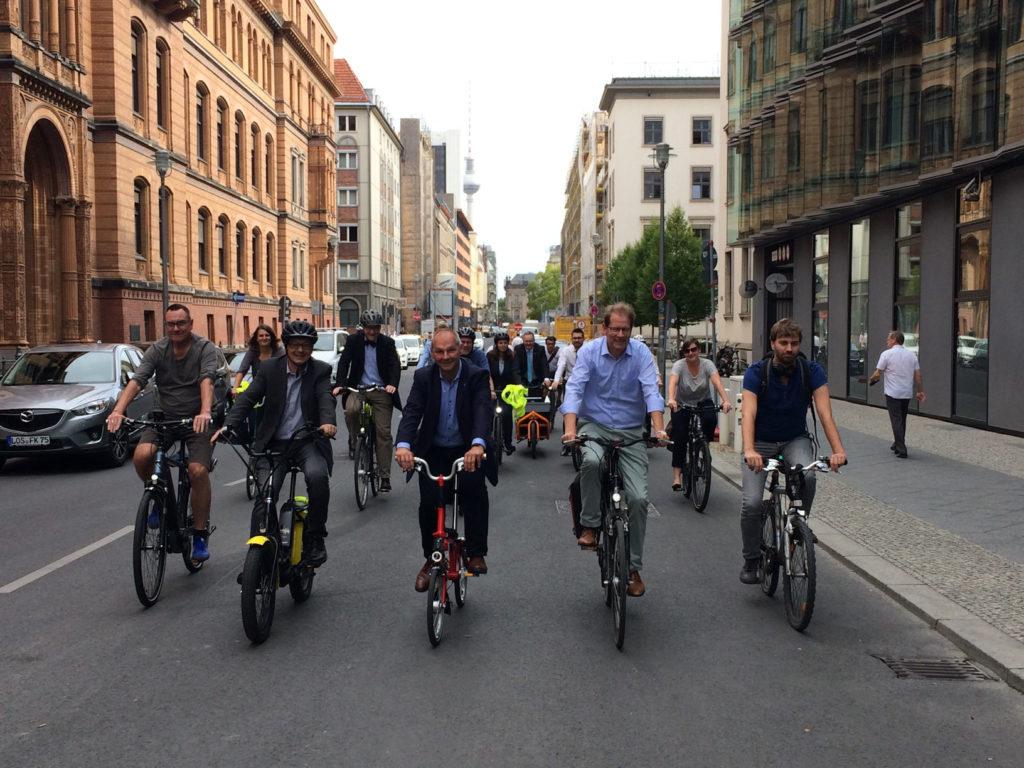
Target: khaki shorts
[{"x": 200, "y": 451}]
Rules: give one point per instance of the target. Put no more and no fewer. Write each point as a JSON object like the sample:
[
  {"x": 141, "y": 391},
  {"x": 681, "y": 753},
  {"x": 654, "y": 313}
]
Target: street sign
[
  {"x": 593, "y": 310},
  {"x": 518, "y": 327},
  {"x": 582, "y": 325},
  {"x": 416, "y": 316},
  {"x": 658, "y": 290},
  {"x": 238, "y": 297}
]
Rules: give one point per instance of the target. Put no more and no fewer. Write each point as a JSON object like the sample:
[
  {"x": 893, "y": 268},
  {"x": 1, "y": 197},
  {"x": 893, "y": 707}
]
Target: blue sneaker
[
  {"x": 200, "y": 552},
  {"x": 153, "y": 521}
]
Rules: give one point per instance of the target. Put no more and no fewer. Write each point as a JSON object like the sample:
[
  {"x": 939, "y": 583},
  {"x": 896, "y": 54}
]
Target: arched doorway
[{"x": 51, "y": 269}]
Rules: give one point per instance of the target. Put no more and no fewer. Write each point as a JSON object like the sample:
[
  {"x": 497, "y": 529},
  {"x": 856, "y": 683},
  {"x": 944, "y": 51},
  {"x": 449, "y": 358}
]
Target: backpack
[{"x": 804, "y": 366}]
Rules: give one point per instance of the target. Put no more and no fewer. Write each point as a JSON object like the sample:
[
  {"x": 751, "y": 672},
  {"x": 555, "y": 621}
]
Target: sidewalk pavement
[{"x": 942, "y": 532}]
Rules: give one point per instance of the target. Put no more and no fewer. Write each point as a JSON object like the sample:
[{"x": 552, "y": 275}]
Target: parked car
[
  {"x": 404, "y": 350},
  {"x": 329, "y": 345},
  {"x": 55, "y": 400},
  {"x": 414, "y": 344}
]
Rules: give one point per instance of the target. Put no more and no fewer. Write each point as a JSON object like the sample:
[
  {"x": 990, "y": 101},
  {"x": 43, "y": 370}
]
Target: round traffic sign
[
  {"x": 518, "y": 327},
  {"x": 593, "y": 310},
  {"x": 417, "y": 316},
  {"x": 581, "y": 324},
  {"x": 658, "y": 290}
]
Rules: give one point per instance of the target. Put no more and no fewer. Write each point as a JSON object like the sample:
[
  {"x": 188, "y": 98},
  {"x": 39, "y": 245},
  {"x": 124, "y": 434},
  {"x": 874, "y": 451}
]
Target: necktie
[{"x": 529, "y": 365}]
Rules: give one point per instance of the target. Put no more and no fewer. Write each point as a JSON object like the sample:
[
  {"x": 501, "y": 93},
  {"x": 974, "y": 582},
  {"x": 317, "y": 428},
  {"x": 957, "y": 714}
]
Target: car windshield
[
  {"x": 61, "y": 368},
  {"x": 325, "y": 342}
]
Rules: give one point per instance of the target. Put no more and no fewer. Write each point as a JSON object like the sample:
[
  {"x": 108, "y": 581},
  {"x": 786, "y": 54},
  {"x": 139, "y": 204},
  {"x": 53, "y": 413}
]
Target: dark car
[{"x": 55, "y": 401}]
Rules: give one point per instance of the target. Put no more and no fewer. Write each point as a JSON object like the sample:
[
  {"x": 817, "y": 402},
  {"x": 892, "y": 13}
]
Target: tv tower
[{"x": 470, "y": 186}]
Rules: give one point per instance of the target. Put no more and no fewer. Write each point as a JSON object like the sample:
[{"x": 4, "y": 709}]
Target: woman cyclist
[
  {"x": 690, "y": 383},
  {"x": 502, "y": 362},
  {"x": 263, "y": 345}
]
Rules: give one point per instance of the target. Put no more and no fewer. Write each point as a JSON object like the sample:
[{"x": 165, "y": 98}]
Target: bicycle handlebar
[
  {"x": 698, "y": 408},
  {"x": 420, "y": 465},
  {"x": 165, "y": 424},
  {"x": 367, "y": 388},
  {"x": 821, "y": 465},
  {"x": 651, "y": 442}
]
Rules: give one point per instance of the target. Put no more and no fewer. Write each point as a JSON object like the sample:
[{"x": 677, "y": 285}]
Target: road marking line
[
  {"x": 46, "y": 569},
  {"x": 235, "y": 482}
]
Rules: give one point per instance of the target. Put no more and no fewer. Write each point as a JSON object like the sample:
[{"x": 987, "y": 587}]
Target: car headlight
[{"x": 98, "y": 406}]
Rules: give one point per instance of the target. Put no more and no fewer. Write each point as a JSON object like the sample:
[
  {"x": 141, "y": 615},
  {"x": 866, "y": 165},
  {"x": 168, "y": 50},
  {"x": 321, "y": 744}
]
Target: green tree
[
  {"x": 502, "y": 310},
  {"x": 621, "y": 279},
  {"x": 544, "y": 292}
]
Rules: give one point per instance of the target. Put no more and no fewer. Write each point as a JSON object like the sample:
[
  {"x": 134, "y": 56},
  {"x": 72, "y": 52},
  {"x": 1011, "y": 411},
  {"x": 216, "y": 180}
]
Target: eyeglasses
[
  {"x": 300, "y": 346},
  {"x": 619, "y": 331},
  {"x": 177, "y": 323},
  {"x": 691, "y": 349}
]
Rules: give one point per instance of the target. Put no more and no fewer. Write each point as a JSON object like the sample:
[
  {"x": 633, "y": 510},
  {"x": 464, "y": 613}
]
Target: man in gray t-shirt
[{"x": 185, "y": 366}]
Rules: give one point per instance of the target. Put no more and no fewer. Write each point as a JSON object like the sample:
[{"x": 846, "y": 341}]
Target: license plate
[{"x": 27, "y": 440}]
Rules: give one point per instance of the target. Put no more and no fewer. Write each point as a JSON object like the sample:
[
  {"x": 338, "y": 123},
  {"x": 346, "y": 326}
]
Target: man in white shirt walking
[{"x": 902, "y": 375}]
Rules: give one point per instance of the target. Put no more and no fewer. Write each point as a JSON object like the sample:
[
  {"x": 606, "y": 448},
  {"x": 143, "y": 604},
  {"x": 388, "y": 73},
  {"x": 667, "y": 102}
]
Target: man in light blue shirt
[{"x": 614, "y": 385}]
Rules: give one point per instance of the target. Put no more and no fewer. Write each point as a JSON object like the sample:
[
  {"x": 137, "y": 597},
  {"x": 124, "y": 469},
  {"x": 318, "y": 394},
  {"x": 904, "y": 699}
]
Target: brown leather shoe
[
  {"x": 588, "y": 539},
  {"x": 636, "y": 587},
  {"x": 476, "y": 565},
  {"x": 423, "y": 577}
]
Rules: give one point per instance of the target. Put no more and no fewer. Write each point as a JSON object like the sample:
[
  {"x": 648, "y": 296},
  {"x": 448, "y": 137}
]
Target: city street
[{"x": 527, "y": 675}]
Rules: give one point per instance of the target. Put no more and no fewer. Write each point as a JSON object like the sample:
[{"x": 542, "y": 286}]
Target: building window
[
  {"x": 141, "y": 214},
  {"x": 907, "y": 309},
  {"x": 222, "y": 159},
  {"x": 268, "y": 165},
  {"x": 254, "y": 157},
  {"x": 867, "y": 133},
  {"x": 974, "y": 258},
  {"x": 347, "y": 160},
  {"x": 348, "y": 233},
  {"x": 768, "y": 151},
  {"x": 798, "y": 27},
  {"x": 163, "y": 88},
  {"x": 980, "y": 121},
  {"x": 901, "y": 91},
  {"x": 348, "y": 270},
  {"x": 727, "y": 288},
  {"x": 348, "y": 313},
  {"x": 302, "y": 268},
  {"x": 939, "y": 18},
  {"x": 295, "y": 267},
  {"x": 652, "y": 184},
  {"x": 700, "y": 184},
  {"x": 240, "y": 251},
  {"x": 239, "y": 133},
  {"x": 268, "y": 272},
  {"x": 793, "y": 140},
  {"x": 348, "y": 197},
  {"x": 255, "y": 256},
  {"x": 860, "y": 239},
  {"x": 752, "y": 64},
  {"x": 138, "y": 47},
  {"x": 937, "y": 121},
  {"x": 200, "y": 123},
  {"x": 769, "y": 46},
  {"x": 652, "y": 130},
  {"x": 819, "y": 326},
  {"x": 302, "y": 183},
  {"x": 203, "y": 223},
  {"x": 702, "y": 130},
  {"x": 346, "y": 122},
  {"x": 219, "y": 238}
]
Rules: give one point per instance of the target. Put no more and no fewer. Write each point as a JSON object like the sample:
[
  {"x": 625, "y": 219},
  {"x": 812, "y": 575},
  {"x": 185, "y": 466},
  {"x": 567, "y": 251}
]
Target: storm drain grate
[
  {"x": 562, "y": 508},
  {"x": 935, "y": 669}
]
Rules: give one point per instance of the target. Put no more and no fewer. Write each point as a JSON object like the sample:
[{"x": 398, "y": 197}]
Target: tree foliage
[
  {"x": 633, "y": 271},
  {"x": 544, "y": 292}
]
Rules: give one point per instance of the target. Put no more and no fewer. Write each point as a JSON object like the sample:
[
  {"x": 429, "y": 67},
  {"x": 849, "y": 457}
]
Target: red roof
[{"x": 348, "y": 84}]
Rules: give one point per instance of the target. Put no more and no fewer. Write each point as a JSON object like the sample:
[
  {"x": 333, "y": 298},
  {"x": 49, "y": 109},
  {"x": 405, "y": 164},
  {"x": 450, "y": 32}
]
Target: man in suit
[
  {"x": 448, "y": 415},
  {"x": 371, "y": 358},
  {"x": 295, "y": 390},
  {"x": 532, "y": 364}
]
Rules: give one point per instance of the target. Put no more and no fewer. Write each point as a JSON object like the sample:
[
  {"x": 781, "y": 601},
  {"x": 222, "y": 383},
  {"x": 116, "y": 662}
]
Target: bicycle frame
[
  {"x": 161, "y": 481},
  {"x": 793, "y": 489}
]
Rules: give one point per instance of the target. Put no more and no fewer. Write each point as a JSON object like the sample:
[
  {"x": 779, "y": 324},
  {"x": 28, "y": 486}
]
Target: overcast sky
[{"x": 534, "y": 69}]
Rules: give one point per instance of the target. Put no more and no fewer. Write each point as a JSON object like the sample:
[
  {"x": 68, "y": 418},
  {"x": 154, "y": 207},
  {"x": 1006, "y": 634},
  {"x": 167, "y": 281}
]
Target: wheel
[
  {"x": 799, "y": 580},
  {"x": 301, "y": 583},
  {"x": 499, "y": 439},
  {"x": 435, "y": 604},
  {"x": 259, "y": 592},
  {"x": 119, "y": 448},
  {"x": 362, "y": 473},
  {"x": 577, "y": 458},
  {"x": 533, "y": 448},
  {"x": 687, "y": 474},
  {"x": 148, "y": 554},
  {"x": 251, "y": 487},
  {"x": 769, "y": 555},
  {"x": 619, "y": 581},
  {"x": 462, "y": 583},
  {"x": 371, "y": 447},
  {"x": 700, "y": 472}
]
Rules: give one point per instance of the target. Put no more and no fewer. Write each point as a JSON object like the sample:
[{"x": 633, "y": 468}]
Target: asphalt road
[{"x": 527, "y": 675}]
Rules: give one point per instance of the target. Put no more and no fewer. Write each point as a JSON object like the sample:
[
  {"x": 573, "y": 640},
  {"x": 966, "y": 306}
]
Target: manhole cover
[
  {"x": 935, "y": 669},
  {"x": 562, "y": 508}
]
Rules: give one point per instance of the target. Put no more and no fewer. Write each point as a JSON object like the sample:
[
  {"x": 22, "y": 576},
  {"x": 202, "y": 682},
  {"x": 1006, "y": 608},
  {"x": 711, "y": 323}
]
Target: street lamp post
[
  {"x": 163, "y": 167},
  {"x": 661, "y": 155}
]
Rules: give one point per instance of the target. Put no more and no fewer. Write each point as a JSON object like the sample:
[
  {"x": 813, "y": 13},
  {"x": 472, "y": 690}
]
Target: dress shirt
[
  {"x": 616, "y": 393},
  {"x": 529, "y": 365},
  {"x": 898, "y": 364},
  {"x": 291, "y": 414},
  {"x": 371, "y": 374},
  {"x": 448, "y": 434},
  {"x": 566, "y": 361}
]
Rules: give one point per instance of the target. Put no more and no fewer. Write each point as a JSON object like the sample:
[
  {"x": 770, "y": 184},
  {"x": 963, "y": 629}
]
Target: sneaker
[
  {"x": 385, "y": 485},
  {"x": 200, "y": 551},
  {"x": 509, "y": 450},
  {"x": 316, "y": 552},
  {"x": 749, "y": 573},
  {"x": 153, "y": 521}
]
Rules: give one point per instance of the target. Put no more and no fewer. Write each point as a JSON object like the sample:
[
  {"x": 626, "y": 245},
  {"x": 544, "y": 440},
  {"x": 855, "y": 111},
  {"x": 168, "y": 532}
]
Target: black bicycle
[
  {"x": 365, "y": 469},
  {"x": 499, "y": 435},
  {"x": 697, "y": 471},
  {"x": 613, "y": 534},
  {"x": 787, "y": 541},
  {"x": 163, "y": 522}
]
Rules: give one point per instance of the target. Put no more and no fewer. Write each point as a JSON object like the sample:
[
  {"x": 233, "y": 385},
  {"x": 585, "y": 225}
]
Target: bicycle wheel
[
  {"x": 371, "y": 450},
  {"x": 619, "y": 581},
  {"x": 577, "y": 458},
  {"x": 362, "y": 473},
  {"x": 700, "y": 471},
  {"x": 499, "y": 439},
  {"x": 250, "y": 480},
  {"x": 259, "y": 592},
  {"x": 435, "y": 604},
  {"x": 463, "y": 580},
  {"x": 799, "y": 579},
  {"x": 148, "y": 554},
  {"x": 533, "y": 448},
  {"x": 769, "y": 555},
  {"x": 687, "y": 472},
  {"x": 301, "y": 583}
]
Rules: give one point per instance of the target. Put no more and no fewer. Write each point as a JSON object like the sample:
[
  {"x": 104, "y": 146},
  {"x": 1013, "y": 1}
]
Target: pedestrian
[{"x": 902, "y": 375}]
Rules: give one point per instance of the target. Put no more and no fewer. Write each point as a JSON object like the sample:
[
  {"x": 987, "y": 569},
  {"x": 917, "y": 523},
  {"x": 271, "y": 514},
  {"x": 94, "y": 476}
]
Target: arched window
[
  {"x": 163, "y": 82},
  {"x": 222, "y": 150},
  {"x": 254, "y": 156},
  {"x": 202, "y": 99},
  {"x": 348, "y": 313},
  {"x": 202, "y": 237},
  {"x": 220, "y": 242},
  {"x": 268, "y": 273},
  {"x": 141, "y": 218},
  {"x": 138, "y": 53},
  {"x": 255, "y": 255},
  {"x": 268, "y": 165},
  {"x": 240, "y": 251},
  {"x": 239, "y": 145}
]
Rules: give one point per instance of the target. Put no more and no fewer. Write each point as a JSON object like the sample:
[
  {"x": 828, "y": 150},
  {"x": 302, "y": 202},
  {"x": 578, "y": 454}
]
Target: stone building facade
[
  {"x": 240, "y": 97},
  {"x": 418, "y": 257}
]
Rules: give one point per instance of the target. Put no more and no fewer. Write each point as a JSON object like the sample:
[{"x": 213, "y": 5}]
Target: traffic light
[
  {"x": 708, "y": 262},
  {"x": 284, "y": 306}
]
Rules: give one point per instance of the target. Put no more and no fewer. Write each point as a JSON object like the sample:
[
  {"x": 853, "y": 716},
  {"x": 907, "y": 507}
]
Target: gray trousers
[
  {"x": 632, "y": 469},
  {"x": 799, "y": 450},
  {"x": 898, "y": 409},
  {"x": 383, "y": 407}
]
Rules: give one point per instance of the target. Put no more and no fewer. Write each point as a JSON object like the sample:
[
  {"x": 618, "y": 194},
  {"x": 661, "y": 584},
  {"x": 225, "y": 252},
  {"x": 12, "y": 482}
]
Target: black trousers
[
  {"x": 318, "y": 484},
  {"x": 681, "y": 431},
  {"x": 898, "y": 409},
  {"x": 506, "y": 423},
  {"x": 473, "y": 501}
]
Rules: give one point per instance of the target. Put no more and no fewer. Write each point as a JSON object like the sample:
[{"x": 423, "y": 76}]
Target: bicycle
[
  {"x": 365, "y": 468},
  {"x": 156, "y": 531},
  {"x": 251, "y": 488},
  {"x": 613, "y": 532},
  {"x": 498, "y": 430},
  {"x": 697, "y": 472},
  {"x": 448, "y": 556},
  {"x": 275, "y": 557},
  {"x": 787, "y": 541}
]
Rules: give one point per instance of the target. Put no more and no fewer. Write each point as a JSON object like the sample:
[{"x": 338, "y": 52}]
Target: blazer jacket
[
  {"x": 353, "y": 360},
  {"x": 540, "y": 364},
  {"x": 472, "y": 403},
  {"x": 271, "y": 386},
  {"x": 511, "y": 374}
]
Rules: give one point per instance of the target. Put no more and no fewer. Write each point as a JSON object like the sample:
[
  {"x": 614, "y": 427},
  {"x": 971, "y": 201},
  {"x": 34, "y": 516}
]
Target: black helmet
[
  {"x": 371, "y": 317},
  {"x": 299, "y": 329},
  {"x": 500, "y": 336},
  {"x": 467, "y": 332}
]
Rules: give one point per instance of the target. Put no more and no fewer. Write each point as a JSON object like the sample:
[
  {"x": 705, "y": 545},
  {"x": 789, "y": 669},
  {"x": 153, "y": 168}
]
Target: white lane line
[
  {"x": 6, "y": 589},
  {"x": 234, "y": 482}
]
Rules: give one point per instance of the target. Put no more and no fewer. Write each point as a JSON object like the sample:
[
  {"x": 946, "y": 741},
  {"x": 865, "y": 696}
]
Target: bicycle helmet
[
  {"x": 371, "y": 317},
  {"x": 465, "y": 332},
  {"x": 500, "y": 336},
  {"x": 299, "y": 329}
]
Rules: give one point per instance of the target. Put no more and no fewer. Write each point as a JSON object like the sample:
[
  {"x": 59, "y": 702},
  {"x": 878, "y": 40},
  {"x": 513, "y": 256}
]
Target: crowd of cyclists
[{"x": 607, "y": 388}]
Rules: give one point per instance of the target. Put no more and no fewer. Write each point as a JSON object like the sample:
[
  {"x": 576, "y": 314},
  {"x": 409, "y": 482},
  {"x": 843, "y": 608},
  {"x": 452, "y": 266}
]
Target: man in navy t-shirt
[{"x": 775, "y": 422}]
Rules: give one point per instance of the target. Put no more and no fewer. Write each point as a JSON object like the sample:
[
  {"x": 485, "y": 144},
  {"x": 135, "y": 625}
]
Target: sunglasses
[{"x": 691, "y": 349}]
